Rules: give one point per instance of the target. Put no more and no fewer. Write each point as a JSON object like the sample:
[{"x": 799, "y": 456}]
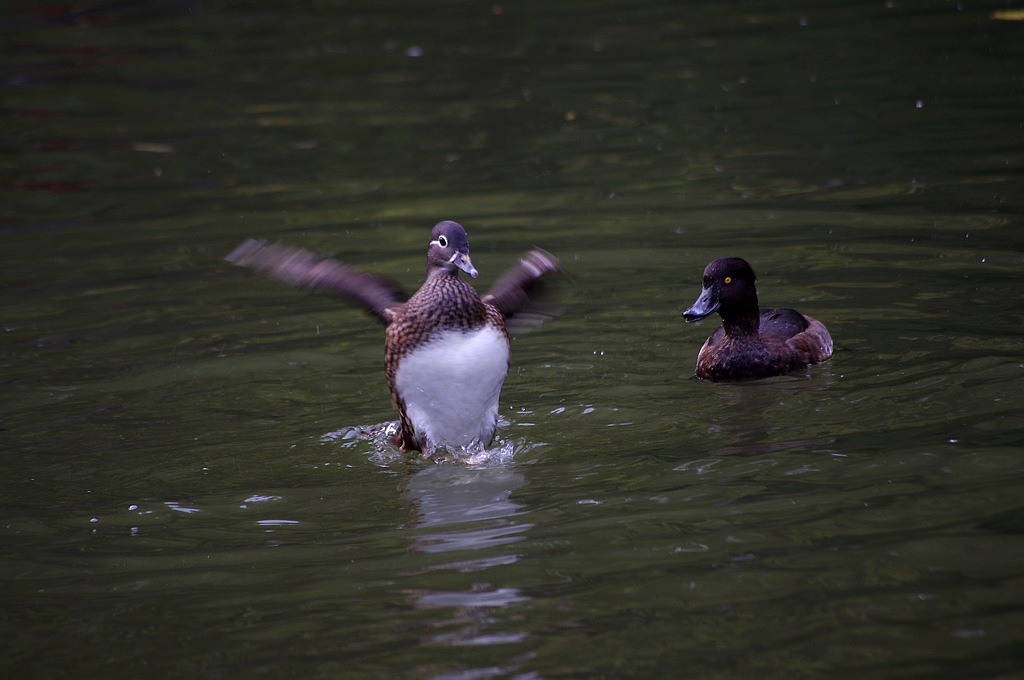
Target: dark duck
[
  {"x": 752, "y": 343},
  {"x": 446, "y": 348}
]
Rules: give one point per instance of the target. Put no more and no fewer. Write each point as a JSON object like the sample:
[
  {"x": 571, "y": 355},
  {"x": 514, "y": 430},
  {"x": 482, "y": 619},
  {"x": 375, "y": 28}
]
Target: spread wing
[
  {"x": 304, "y": 269},
  {"x": 515, "y": 292}
]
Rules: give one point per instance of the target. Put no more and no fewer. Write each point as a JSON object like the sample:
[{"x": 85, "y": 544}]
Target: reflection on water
[
  {"x": 444, "y": 496},
  {"x": 756, "y": 405},
  {"x": 464, "y": 509}
]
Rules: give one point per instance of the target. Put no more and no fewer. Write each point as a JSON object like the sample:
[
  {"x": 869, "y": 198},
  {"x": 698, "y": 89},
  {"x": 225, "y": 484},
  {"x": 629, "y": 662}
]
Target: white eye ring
[{"x": 442, "y": 241}]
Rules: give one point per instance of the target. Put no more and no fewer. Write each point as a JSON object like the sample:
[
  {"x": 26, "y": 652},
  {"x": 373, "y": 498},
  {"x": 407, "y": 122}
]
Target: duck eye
[
  {"x": 727, "y": 280},
  {"x": 442, "y": 241}
]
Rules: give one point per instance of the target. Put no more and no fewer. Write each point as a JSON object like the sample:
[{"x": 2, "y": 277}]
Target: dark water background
[{"x": 183, "y": 493}]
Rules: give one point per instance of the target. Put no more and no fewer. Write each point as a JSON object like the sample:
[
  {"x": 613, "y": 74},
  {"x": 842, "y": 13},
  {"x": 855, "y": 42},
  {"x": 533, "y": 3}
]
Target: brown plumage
[
  {"x": 446, "y": 317},
  {"x": 752, "y": 343}
]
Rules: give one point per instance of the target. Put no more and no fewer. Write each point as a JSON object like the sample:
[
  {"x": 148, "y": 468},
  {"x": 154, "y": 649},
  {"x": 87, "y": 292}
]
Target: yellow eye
[{"x": 728, "y": 280}]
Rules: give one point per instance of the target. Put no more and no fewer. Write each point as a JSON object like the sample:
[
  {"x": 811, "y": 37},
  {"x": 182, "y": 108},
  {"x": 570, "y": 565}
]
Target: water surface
[{"x": 185, "y": 493}]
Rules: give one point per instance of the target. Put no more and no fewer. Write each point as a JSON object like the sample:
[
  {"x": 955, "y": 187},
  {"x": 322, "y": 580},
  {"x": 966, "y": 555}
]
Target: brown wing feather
[
  {"x": 305, "y": 269},
  {"x": 815, "y": 341},
  {"x": 514, "y": 293}
]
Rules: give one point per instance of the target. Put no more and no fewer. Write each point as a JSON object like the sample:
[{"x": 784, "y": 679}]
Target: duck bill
[
  {"x": 462, "y": 261},
  {"x": 705, "y": 304}
]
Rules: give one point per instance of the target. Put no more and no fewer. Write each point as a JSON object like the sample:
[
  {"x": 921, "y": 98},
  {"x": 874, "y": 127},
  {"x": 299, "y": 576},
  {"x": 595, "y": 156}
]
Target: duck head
[{"x": 449, "y": 248}]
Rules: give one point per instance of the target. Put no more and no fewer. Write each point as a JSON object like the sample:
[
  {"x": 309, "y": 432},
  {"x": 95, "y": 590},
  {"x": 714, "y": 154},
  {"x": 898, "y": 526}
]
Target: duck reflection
[
  {"x": 769, "y": 416},
  {"x": 462, "y": 509},
  {"x": 465, "y": 508}
]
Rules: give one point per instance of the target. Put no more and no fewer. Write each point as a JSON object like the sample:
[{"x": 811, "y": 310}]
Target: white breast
[{"x": 451, "y": 385}]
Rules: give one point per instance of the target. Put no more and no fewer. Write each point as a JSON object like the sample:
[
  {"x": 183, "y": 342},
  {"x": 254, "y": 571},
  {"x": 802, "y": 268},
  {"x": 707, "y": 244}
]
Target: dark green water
[{"x": 183, "y": 496}]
